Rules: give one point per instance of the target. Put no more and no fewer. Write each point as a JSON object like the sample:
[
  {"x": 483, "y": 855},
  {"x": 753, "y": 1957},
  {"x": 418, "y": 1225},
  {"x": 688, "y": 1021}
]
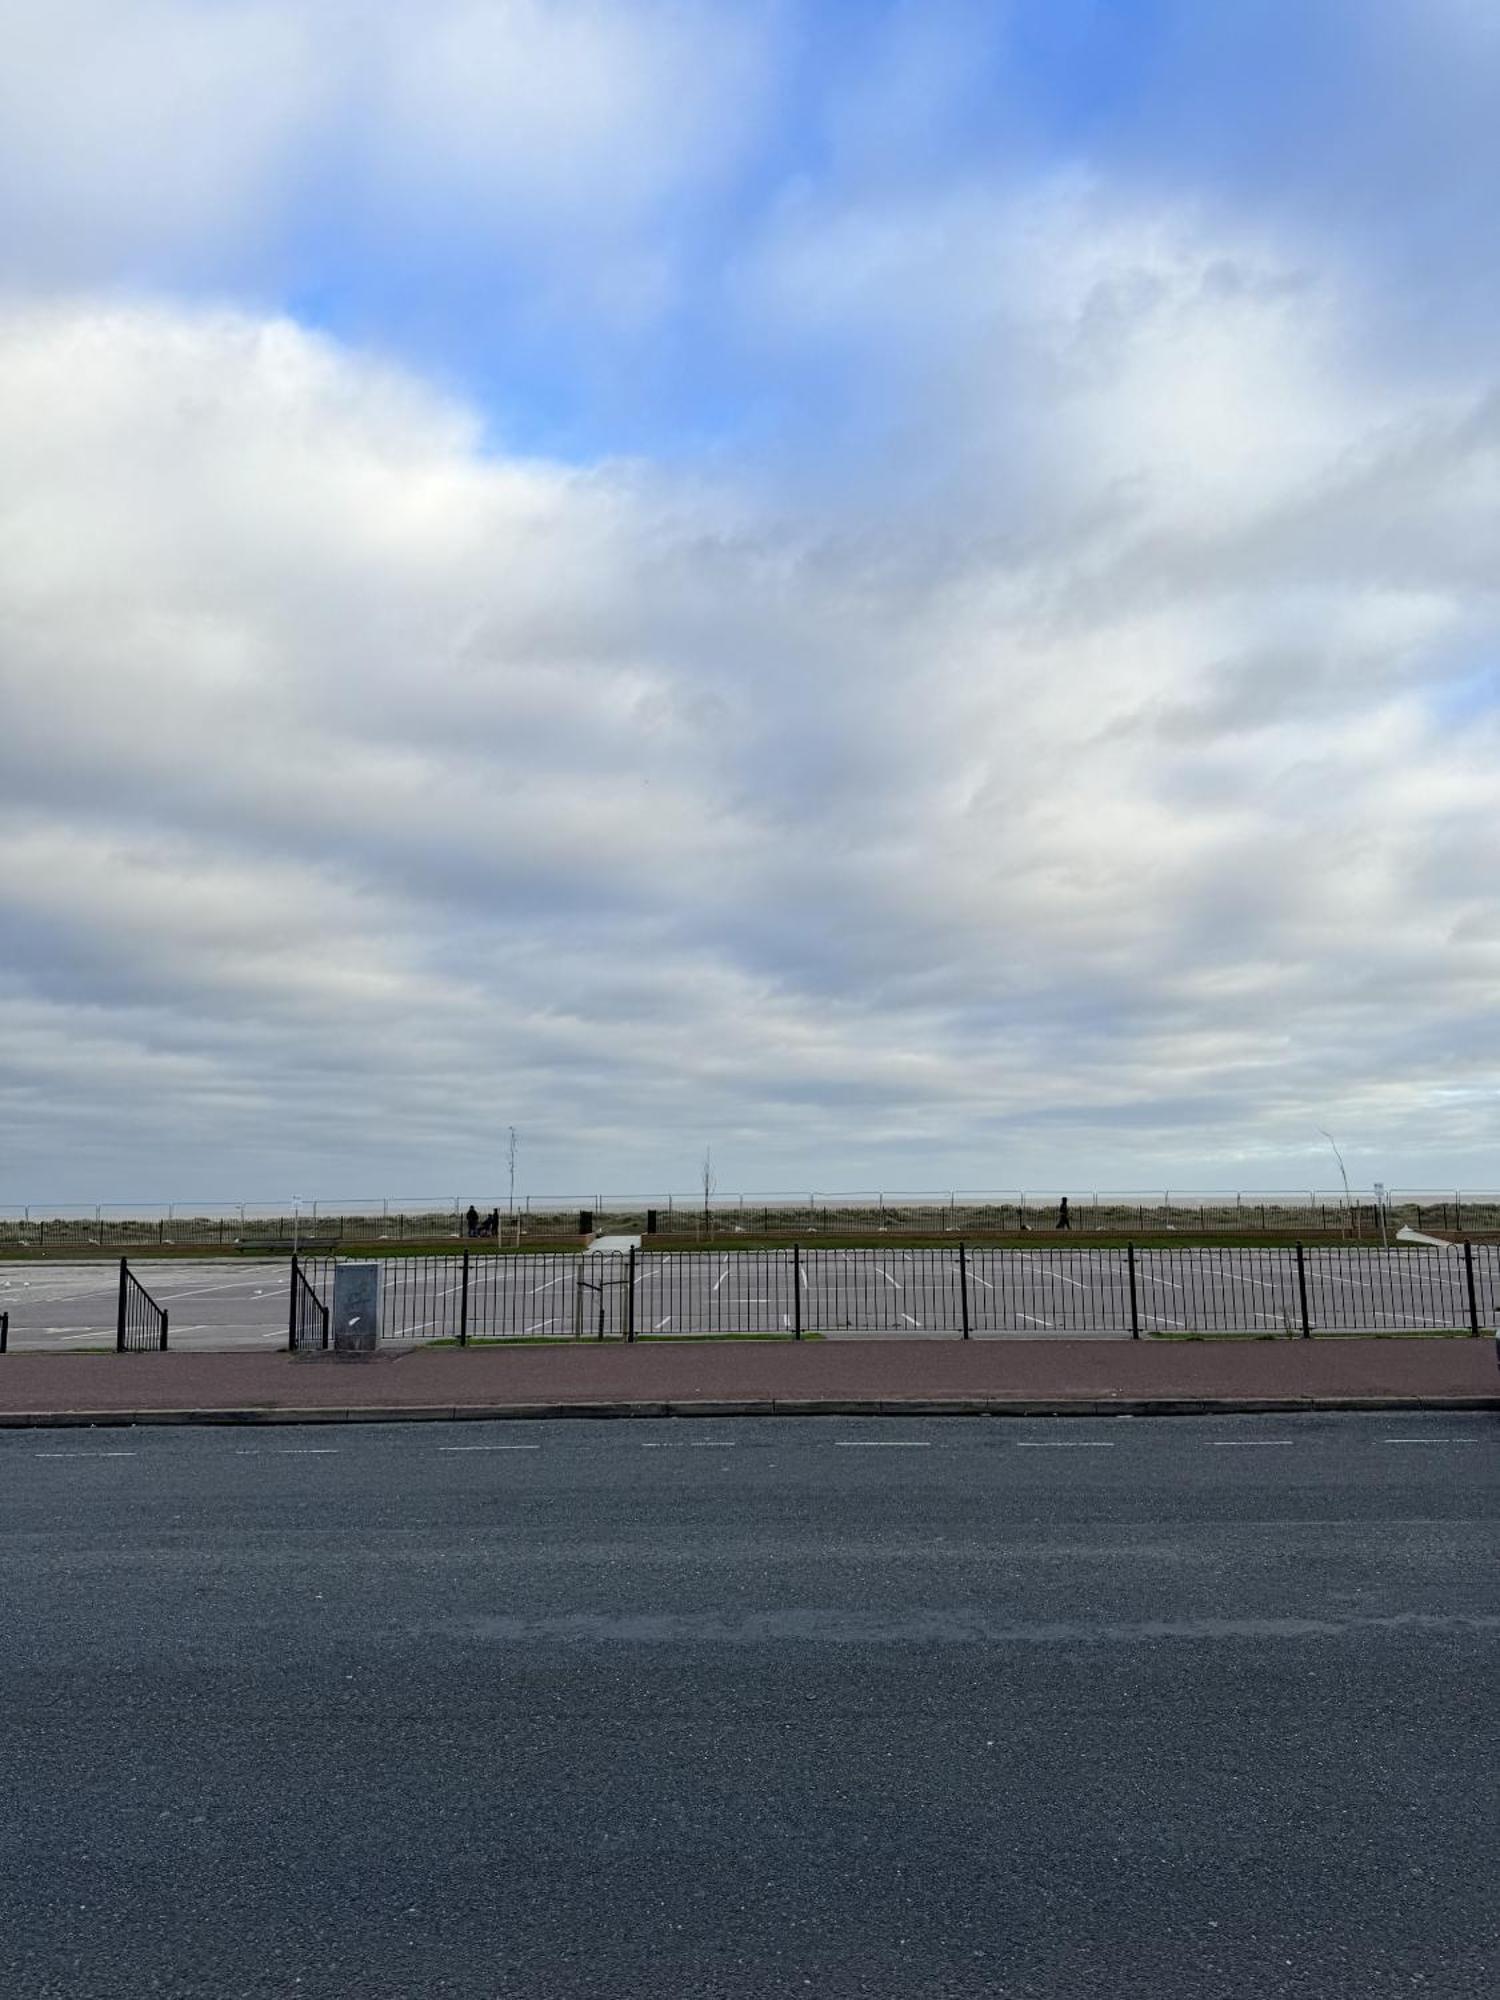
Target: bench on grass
[{"x": 305, "y": 1246}]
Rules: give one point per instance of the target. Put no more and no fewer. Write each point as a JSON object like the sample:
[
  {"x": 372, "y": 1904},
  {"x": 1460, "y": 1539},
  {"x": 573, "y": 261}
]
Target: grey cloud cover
[{"x": 1085, "y": 776}]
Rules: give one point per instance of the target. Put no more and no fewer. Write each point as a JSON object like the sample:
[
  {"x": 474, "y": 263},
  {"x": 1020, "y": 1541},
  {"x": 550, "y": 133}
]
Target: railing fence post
[
  {"x": 630, "y": 1297},
  {"x": 120, "y": 1315},
  {"x": 291, "y": 1317},
  {"x": 1302, "y": 1293},
  {"x": 963, "y": 1288},
  {"x": 796, "y": 1293},
  {"x": 463, "y": 1305},
  {"x": 163, "y": 1329},
  {"x": 1135, "y": 1310},
  {"x": 1469, "y": 1281}
]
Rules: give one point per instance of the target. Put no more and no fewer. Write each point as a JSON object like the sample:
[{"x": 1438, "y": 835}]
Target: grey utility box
[{"x": 356, "y": 1308}]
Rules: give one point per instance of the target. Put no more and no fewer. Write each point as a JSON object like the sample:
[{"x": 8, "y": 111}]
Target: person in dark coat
[
  {"x": 1064, "y": 1220},
  {"x": 471, "y": 1219}
]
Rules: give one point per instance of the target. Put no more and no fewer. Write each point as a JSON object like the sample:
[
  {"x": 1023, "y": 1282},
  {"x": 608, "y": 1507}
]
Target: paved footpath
[{"x": 749, "y": 1378}]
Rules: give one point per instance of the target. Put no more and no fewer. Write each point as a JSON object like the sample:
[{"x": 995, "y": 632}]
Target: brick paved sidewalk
[{"x": 1065, "y": 1373}]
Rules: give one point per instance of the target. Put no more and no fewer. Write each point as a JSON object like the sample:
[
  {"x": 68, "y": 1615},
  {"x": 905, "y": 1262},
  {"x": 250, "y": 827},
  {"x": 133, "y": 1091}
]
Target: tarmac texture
[{"x": 1199, "y": 1710}]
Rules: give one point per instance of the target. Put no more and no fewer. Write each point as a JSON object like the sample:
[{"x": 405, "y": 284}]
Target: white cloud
[
  {"x": 152, "y": 140},
  {"x": 363, "y": 793}
]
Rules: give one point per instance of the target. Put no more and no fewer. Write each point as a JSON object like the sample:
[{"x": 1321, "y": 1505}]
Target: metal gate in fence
[{"x": 604, "y": 1297}]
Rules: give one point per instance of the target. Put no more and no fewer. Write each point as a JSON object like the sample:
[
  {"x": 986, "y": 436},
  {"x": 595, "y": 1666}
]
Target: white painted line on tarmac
[
  {"x": 661, "y": 1323},
  {"x": 489, "y": 1447},
  {"x": 1441, "y": 1441},
  {"x": 304, "y": 1450},
  {"x": 1065, "y": 1444},
  {"x": 888, "y": 1278},
  {"x": 86, "y": 1454},
  {"x": 1034, "y": 1321},
  {"x": 909, "y": 1320},
  {"x": 697, "y": 1444},
  {"x": 1242, "y": 1444},
  {"x": 884, "y": 1444}
]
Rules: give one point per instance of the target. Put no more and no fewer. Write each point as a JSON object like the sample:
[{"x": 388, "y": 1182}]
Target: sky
[{"x": 906, "y": 593}]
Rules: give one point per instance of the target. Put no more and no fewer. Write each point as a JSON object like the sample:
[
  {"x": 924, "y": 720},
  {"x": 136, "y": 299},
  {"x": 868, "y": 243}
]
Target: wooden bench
[{"x": 306, "y": 1246}]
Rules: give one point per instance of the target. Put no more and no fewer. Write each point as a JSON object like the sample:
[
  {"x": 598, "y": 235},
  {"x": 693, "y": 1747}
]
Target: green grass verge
[{"x": 1318, "y": 1333}]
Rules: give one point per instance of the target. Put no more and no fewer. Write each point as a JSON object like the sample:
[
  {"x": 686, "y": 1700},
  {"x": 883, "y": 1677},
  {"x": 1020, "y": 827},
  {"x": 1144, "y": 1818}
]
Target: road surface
[{"x": 1133, "y": 1709}]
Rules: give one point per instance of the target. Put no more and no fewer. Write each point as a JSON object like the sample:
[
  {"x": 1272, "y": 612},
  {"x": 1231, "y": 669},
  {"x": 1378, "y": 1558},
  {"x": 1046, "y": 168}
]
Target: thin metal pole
[
  {"x": 796, "y": 1293},
  {"x": 463, "y": 1305},
  {"x": 120, "y": 1315},
  {"x": 4, "y": 1331},
  {"x": 1135, "y": 1311},
  {"x": 1302, "y": 1293},
  {"x": 963, "y": 1288},
  {"x": 291, "y": 1318},
  {"x": 630, "y": 1298},
  {"x": 163, "y": 1329},
  {"x": 1469, "y": 1281}
]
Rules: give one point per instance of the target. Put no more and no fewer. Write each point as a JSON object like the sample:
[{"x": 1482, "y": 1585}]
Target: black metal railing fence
[
  {"x": 140, "y": 1323},
  {"x": 967, "y": 1291},
  {"x": 308, "y": 1309}
]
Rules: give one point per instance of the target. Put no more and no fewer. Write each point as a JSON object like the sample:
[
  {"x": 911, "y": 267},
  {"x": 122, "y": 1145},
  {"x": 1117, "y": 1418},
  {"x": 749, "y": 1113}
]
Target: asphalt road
[
  {"x": 1197, "y": 1708},
  {"x": 859, "y": 1294}
]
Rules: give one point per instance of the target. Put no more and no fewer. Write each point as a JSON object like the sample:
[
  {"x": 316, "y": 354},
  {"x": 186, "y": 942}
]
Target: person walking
[{"x": 1064, "y": 1220}]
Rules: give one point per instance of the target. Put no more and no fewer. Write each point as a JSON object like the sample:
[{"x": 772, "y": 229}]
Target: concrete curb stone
[{"x": 1161, "y": 1406}]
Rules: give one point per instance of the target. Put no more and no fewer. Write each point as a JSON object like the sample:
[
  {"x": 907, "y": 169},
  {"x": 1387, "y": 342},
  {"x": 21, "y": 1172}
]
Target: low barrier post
[
  {"x": 1135, "y": 1310},
  {"x": 963, "y": 1289}
]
